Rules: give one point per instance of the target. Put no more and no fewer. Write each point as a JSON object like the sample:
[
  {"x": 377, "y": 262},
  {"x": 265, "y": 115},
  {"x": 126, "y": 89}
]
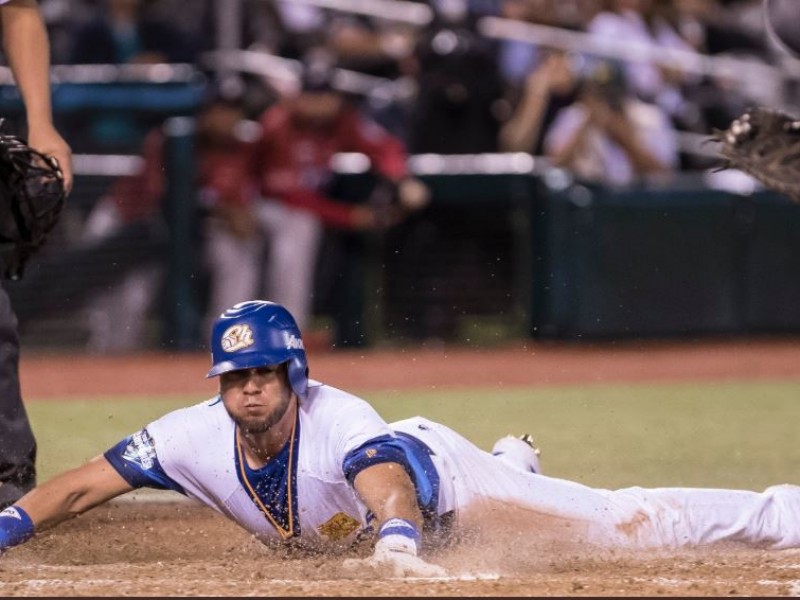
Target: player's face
[
  {"x": 219, "y": 122},
  {"x": 317, "y": 107},
  {"x": 256, "y": 399}
]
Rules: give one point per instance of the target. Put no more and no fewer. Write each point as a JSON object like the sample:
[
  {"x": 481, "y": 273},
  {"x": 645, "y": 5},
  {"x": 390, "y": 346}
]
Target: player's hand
[
  {"x": 45, "y": 139},
  {"x": 240, "y": 222},
  {"x": 413, "y": 194},
  {"x": 554, "y": 74},
  {"x": 363, "y": 218},
  {"x": 394, "y": 563}
]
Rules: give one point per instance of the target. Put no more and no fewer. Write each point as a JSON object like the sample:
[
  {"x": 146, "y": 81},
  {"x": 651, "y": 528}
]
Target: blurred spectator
[
  {"x": 609, "y": 136},
  {"x": 292, "y": 161},
  {"x": 300, "y": 27},
  {"x": 548, "y": 89},
  {"x": 461, "y": 97},
  {"x": 646, "y": 22},
  {"x": 714, "y": 100},
  {"x": 580, "y": 13},
  {"x": 516, "y": 57},
  {"x": 60, "y": 16},
  {"x": 745, "y": 17},
  {"x": 711, "y": 27},
  {"x": 124, "y": 32},
  {"x": 371, "y": 46},
  {"x": 385, "y": 47}
]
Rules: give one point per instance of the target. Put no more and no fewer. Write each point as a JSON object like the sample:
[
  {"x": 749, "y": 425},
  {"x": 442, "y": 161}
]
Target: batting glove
[{"x": 395, "y": 553}]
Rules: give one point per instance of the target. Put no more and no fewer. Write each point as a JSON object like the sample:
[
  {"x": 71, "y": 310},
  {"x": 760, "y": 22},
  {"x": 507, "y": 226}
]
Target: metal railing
[
  {"x": 411, "y": 13},
  {"x": 285, "y": 73},
  {"x": 117, "y": 73},
  {"x": 635, "y": 51}
]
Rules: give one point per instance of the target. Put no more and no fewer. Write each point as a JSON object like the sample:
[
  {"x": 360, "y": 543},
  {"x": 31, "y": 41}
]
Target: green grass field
[{"x": 732, "y": 434}]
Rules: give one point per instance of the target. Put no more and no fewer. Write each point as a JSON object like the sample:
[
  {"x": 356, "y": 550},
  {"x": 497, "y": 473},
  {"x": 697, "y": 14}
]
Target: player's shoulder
[
  {"x": 320, "y": 393},
  {"x": 324, "y": 398},
  {"x": 198, "y": 419},
  {"x": 338, "y": 422}
]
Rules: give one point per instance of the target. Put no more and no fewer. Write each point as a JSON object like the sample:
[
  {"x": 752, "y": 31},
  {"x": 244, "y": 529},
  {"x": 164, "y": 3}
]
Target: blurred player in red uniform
[{"x": 292, "y": 166}]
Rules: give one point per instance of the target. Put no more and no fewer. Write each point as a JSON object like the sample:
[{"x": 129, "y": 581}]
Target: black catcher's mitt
[
  {"x": 765, "y": 144},
  {"x": 32, "y": 198}
]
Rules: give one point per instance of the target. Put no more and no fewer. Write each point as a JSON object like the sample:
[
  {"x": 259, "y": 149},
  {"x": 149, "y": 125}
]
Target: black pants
[{"x": 17, "y": 444}]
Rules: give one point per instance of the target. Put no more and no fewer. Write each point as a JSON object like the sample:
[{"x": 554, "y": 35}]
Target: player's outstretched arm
[
  {"x": 63, "y": 497},
  {"x": 388, "y": 492}
]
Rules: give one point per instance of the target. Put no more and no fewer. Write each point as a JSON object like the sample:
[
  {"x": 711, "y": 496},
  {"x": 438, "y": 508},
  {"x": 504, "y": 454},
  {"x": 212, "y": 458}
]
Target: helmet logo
[
  {"x": 294, "y": 343},
  {"x": 236, "y": 338}
]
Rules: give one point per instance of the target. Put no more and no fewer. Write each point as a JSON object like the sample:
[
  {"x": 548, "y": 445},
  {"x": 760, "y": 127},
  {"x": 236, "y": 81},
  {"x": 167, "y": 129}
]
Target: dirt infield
[
  {"x": 180, "y": 549},
  {"x": 153, "y": 548}
]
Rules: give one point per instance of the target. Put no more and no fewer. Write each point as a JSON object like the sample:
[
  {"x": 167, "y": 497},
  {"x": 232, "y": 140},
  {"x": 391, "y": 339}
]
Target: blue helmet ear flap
[
  {"x": 298, "y": 376},
  {"x": 259, "y": 334}
]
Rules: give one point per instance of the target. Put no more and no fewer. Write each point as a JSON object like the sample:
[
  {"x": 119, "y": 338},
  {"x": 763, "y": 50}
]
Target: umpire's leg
[{"x": 17, "y": 444}]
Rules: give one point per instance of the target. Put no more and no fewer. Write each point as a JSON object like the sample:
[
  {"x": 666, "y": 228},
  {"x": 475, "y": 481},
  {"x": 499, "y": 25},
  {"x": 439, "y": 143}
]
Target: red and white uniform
[{"x": 292, "y": 163}]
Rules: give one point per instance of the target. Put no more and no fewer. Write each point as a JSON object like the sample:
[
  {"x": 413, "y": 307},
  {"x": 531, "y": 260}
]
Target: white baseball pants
[{"x": 475, "y": 483}]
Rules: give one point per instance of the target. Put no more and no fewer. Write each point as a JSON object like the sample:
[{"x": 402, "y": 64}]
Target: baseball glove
[
  {"x": 765, "y": 144},
  {"x": 32, "y": 197}
]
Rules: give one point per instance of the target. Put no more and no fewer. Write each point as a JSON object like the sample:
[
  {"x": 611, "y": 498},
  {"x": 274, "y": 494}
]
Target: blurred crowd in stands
[
  {"x": 611, "y": 121},
  {"x": 474, "y": 93}
]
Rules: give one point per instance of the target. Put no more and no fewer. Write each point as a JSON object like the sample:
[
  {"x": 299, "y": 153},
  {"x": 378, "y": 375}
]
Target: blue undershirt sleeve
[{"x": 135, "y": 459}]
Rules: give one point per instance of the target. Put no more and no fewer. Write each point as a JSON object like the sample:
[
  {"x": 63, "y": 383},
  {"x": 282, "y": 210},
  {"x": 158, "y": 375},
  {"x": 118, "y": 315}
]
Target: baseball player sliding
[{"x": 291, "y": 459}]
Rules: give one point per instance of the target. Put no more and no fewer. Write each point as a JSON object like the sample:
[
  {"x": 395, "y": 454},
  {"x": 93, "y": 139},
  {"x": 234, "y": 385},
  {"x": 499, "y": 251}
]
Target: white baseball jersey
[{"x": 305, "y": 493}]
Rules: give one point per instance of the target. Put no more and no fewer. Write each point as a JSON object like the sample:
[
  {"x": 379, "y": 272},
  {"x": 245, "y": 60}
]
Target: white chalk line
[{"x": 44, "y": 583}]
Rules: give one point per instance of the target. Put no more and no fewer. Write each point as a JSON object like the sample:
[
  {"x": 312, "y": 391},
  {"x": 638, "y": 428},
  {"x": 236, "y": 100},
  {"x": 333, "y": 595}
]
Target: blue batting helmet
[{"x": 256, "y": 334}]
